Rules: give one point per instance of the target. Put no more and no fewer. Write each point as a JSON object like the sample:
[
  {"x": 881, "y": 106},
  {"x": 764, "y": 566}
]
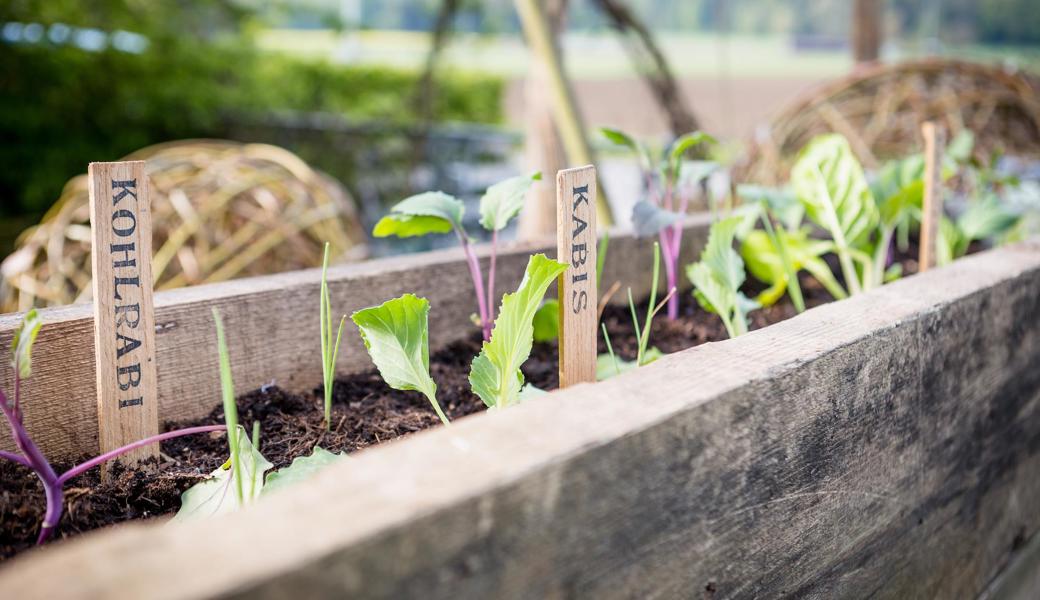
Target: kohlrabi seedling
[
  {"x": 495, "y": 375},
  {"x": 670, "y": 185},
  {"x": 396, "y": 334},
  {"x": 30, "y": 455},
  {"x": 329, "y": 348},
  {"x": 437, "y": 212},
  {"x": 245, "y": 469},
  {"x": 718, "y": 275}
]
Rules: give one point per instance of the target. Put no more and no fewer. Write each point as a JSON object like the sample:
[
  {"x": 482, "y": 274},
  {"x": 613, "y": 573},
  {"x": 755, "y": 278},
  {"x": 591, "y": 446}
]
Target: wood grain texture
[
  {"x": 272, "y": 327},
  {"x": 932, "y": 203},
  {"x": 124, "y": 313},
  {"x": 885, "y": 446},
  {"x": 576, "y": 241}
]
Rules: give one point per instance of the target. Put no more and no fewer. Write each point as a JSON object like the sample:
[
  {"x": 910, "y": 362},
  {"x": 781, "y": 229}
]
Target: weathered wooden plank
[
  {"x": 272, "y": 325},
  {"x": 884, "y": 446}
]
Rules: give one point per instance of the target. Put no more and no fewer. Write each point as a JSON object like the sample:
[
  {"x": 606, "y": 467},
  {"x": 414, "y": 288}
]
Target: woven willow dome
[
  {"x": 880, "y": 110},
  {"x": 220, "y": 209}
]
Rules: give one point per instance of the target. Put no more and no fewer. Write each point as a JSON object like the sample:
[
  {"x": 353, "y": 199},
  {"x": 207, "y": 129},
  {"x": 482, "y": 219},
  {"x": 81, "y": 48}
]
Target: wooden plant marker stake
[
  {"x": 576, "y": 245},
  {"x": 932, "y": 209},
  {"x": 124, "y": 315}
]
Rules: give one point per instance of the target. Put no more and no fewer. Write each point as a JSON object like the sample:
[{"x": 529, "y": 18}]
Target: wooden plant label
[
  {"x": 576, "y": 245},
  {"x": 124, "y": 317},
  {"x": 932, "y": 209}
]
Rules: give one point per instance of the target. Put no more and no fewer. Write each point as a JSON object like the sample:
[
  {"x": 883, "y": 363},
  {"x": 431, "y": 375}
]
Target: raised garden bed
[{"x": 827, "y": 454}]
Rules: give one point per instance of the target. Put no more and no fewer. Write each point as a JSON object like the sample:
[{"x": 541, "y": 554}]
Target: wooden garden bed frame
[{"x": 884, "y": 445}]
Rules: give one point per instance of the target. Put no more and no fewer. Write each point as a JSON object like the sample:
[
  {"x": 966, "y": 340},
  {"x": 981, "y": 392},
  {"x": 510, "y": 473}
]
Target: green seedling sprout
[
  {"x": 329, "y": 348},
  {"x": 718, "y": 275},
  {"x": 396, "y": 335},
  {"x": 227, "y": 394},
  {"x": 610, "y": 349},
  {"x": 437, "y": 212},
  {"x": 670, "y": 184}
]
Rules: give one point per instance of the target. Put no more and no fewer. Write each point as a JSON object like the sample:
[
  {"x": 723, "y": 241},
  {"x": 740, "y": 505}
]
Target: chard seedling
[
  {"x": 495, "y": 374},
  {"x": 29, "y": 453},
  {"x": 437, "y": 212},
  {"x": 329, "y": 349},
  {"x": 396, "y": 334},
  {"x": 718, "y": 275},
  {"x": 670, "y": 185},
  {"x": 776, "y": 253},
  {"x": 832, "y": 187}
]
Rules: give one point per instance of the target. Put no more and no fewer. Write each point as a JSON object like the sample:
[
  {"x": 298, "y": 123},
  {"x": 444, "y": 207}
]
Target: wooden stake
[
  {"x": 576, "y": 245},
  {"x": 124, "y": 317},
  {"x": 932, "y": 209}
]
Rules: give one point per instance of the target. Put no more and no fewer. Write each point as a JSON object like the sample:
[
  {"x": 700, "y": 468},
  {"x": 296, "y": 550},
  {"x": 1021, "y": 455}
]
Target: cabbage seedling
[
  {"x": 495, "y": 374},
  {"x": 718, "y": 275},
  {"x": 437, "y": 212},
  {"x": 670, "y": 184},
  {"x": 396, "y": 334},
  {"x": 329, "y": 349},
  {"x": 30, "y": 455}
]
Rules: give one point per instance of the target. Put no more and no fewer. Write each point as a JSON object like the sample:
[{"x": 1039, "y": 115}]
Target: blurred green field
[
  {"x": 601, "y": 56},
  {"x": 589, "y": 56}
]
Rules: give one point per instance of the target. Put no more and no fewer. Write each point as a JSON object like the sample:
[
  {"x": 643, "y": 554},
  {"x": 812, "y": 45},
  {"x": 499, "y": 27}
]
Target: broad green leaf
[
  {"x": 213, "y": 496},
  {"x": 782, "y": 202},
  {"x": 429, "y": 212},
  {"x": 607, "y": 368},
  {"x": 503, "y": 201},
  {"x": 302, "y": 468},
  {"x": 946, "y": 242},
  {"x": 718, "y": 275},
  {"x": 623, "y": 139},
  {"x": 22, "y": 344},
  {"x": 985, "y": 218},
  {"x": 830, "y": 183},
  {"x": 692, "y": 172},
  {"x": 547, "y": 321},
  {"x": 529, "y": 391},
  {"x": 649, "y": 218},
  {"x": 396, "y": 334},
  {"x": 495, "y": 373}
]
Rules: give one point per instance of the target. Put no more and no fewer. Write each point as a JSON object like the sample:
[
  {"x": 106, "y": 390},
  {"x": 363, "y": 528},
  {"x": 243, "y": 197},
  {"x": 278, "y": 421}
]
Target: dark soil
[{"x": 365, "y": 412}]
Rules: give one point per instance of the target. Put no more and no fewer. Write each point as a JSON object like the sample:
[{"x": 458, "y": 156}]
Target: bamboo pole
[{"x": 565, "y": 109}]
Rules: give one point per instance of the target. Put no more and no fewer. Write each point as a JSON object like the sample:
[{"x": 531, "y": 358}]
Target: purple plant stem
[
  {"x": 17, "y": 458},
  {"x": 491, "y": 280},
  {"x": 672, "y": 259},
  {"x": 478, "y": 283},
  {"x": 162, "y": 437}
]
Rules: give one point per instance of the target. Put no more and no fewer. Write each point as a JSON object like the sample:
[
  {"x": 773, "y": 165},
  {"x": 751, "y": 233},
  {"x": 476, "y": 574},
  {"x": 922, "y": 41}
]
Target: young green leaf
[
  {"x": 623, "y": 139},
  {"x": 692, "y": 172},
  {"x": 210, "y": 497},
  {"x": 782, "y": 202},
  {"x": 608, "y": 366},
  {"x": 495, "y": 373},
  {"x": 429, "y": 212},
  {"x": 648, "y": 218},
  {"x": 547, "y": 321},
  {"x": 396, "y": 334},
  {"x": 830, "y": 183},
  {"x": 503, "y": 201},
  {"x": 227, "y": 394},
  {"x": 717, "y": 278},
  {"x": 329, "y": 348},
  {"x": 302, "y": 468},
  {"x": 681, "y": 145},
  {"x": 763, "y": 261},
  {"x": 985, "y": 218},
  {"x": 21, "y": 345}
]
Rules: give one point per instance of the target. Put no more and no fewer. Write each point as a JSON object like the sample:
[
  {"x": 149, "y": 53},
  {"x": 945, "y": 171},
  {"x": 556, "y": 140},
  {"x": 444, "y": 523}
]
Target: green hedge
[{"x": 61, "y": 107}]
